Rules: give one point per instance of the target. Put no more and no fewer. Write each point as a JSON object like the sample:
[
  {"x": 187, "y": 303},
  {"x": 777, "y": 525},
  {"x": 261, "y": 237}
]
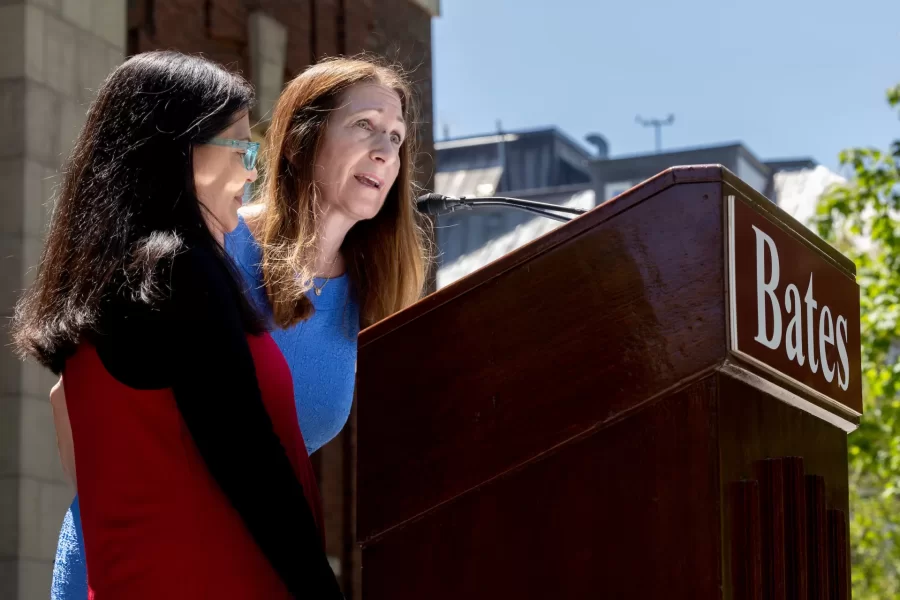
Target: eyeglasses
[{"x": 251, "y": 149}]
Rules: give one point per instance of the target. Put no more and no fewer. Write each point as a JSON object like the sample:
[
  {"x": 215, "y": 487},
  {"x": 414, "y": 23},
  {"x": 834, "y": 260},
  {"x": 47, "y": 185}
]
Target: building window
[
  {"x": 611, "y": 190},
  {"x": 751, "y": 175},
  {"x": 493, "y": 226}
]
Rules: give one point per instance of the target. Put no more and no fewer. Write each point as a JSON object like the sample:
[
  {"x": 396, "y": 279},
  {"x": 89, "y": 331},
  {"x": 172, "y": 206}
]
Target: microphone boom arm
[
  {"x": 537, "y": 211},
  {"x": 438, "y": 204},
  {"x": 503, "y": 201}
]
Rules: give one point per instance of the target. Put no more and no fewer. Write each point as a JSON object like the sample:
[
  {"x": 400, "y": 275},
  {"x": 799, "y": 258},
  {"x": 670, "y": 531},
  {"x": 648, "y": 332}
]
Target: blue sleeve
[
  {"x": 69, "y": 570},
  {"x": 247, "y": 257}
]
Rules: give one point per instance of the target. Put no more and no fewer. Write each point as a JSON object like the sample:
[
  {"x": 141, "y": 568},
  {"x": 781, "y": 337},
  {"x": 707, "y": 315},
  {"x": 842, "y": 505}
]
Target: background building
[
  {"x": 542, "y": 164},
  {"x": 548, "y": 166}
]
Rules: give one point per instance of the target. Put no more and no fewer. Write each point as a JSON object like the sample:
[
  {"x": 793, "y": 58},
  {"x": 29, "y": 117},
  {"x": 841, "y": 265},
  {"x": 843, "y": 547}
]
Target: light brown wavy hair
[{"x": 387, "y": 256}]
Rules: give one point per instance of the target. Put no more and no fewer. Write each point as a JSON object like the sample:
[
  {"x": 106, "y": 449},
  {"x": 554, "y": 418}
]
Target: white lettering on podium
[
  {"x": 826, "y": 336},
  {"x": 830, "y": 332},
  {"x": 843, "y": 380},
  {"x": 767, "y": 288},
  {"x": 794, "y": 341},
  {"x": 811, "y": 305}
]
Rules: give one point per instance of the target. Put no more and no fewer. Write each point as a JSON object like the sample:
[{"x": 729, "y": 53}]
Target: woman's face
[
  {"x": 359, "y": 158},
  {"x": 220, "y": 177}
]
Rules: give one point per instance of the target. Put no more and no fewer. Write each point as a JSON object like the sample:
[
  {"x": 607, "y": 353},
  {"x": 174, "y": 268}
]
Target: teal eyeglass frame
[{"x": 251, "y": 149}]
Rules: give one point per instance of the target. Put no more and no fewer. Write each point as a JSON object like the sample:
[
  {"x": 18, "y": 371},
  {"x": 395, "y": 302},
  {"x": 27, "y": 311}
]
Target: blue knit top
[{"x": 321, "y": 354}]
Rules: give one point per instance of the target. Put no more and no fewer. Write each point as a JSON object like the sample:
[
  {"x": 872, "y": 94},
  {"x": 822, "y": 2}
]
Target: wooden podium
[{"x": 651, "y": 401}]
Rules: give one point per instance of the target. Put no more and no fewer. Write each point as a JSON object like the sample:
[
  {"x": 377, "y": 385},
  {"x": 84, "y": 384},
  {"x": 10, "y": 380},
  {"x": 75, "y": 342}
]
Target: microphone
[{"x": 436, "y": 205}]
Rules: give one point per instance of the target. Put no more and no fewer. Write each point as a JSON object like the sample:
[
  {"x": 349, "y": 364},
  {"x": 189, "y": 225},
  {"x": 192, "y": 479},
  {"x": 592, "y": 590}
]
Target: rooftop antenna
[
  {"x": 501, "y": 152},
  {"x": 657, "y": 124}
]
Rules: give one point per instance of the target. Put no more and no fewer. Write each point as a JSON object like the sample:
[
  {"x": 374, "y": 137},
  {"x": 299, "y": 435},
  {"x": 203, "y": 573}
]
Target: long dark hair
[{"x": 127, "y": 204}]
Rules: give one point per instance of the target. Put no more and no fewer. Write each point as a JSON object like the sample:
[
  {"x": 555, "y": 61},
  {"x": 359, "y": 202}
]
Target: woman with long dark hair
[
  {"x": 192, "y": 472},
  {"x": 331, "y": 245}
]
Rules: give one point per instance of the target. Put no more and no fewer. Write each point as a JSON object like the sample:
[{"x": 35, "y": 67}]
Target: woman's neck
[
  {"x": 333, "y": 228},
  {"x": 215, "y": 229}
]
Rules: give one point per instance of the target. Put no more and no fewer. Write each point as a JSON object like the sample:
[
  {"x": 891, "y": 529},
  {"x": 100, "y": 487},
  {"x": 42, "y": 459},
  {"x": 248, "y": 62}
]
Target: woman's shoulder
[
  {"x": 241, "y": 243},
  {"x": 196, "y": 260},
  {"x": 242, "y": 247}
]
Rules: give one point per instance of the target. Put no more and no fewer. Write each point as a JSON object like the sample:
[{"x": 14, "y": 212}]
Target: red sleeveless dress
[{"x": 156, "y": 524}]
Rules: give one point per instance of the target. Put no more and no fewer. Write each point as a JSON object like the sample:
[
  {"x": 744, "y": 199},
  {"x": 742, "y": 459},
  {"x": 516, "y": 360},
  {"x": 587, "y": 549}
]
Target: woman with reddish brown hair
[
  {"x": 330, "y": 245},
  {"x": 337, "y": 194}
]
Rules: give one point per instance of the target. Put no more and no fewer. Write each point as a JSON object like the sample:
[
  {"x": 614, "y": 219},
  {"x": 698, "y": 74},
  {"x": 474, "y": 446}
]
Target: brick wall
[
  {"x": 397, "y": 29},
  {"x": 401, "y": 31}
]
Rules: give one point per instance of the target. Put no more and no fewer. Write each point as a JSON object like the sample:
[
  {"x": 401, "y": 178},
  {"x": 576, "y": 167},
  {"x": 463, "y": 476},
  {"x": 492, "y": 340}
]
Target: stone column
[
  {"x": 268, "y": 55},
  {"x": 53, "y": 56}
]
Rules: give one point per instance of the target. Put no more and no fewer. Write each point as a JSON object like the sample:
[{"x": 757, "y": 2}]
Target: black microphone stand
[{"x": 539, "y": 208}]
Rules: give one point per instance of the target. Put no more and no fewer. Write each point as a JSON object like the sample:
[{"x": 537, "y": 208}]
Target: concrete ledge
[
  {"x": 12, "y": 118},
  {"x": 25, "y": 579},
  {"x": 39, "y": 454},
  {"x": 42, "y": 507},
  {"x": 60, "y": 55}
]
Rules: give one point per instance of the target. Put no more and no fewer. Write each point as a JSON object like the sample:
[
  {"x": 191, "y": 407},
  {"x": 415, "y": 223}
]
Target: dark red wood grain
[
  {"x": 770, "y": 475},
  {"x": 514, "y": 538},
  {"x": 818, "y": 537},
  {"x": 564, "y": 424},
  {"x": 839, "y": 559},
  {"x": 746, "y": 544},
  {"x": 795, "y": 534},
  {"x": 571, "y": 340}
]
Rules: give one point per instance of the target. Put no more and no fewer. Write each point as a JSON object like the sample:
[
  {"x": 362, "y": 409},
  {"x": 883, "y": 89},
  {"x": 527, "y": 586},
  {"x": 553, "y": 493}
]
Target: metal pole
[{"x": 657, "y": 125}]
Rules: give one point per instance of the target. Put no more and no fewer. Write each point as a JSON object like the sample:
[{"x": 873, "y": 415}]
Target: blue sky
[{"x": 788, "y": 78}]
